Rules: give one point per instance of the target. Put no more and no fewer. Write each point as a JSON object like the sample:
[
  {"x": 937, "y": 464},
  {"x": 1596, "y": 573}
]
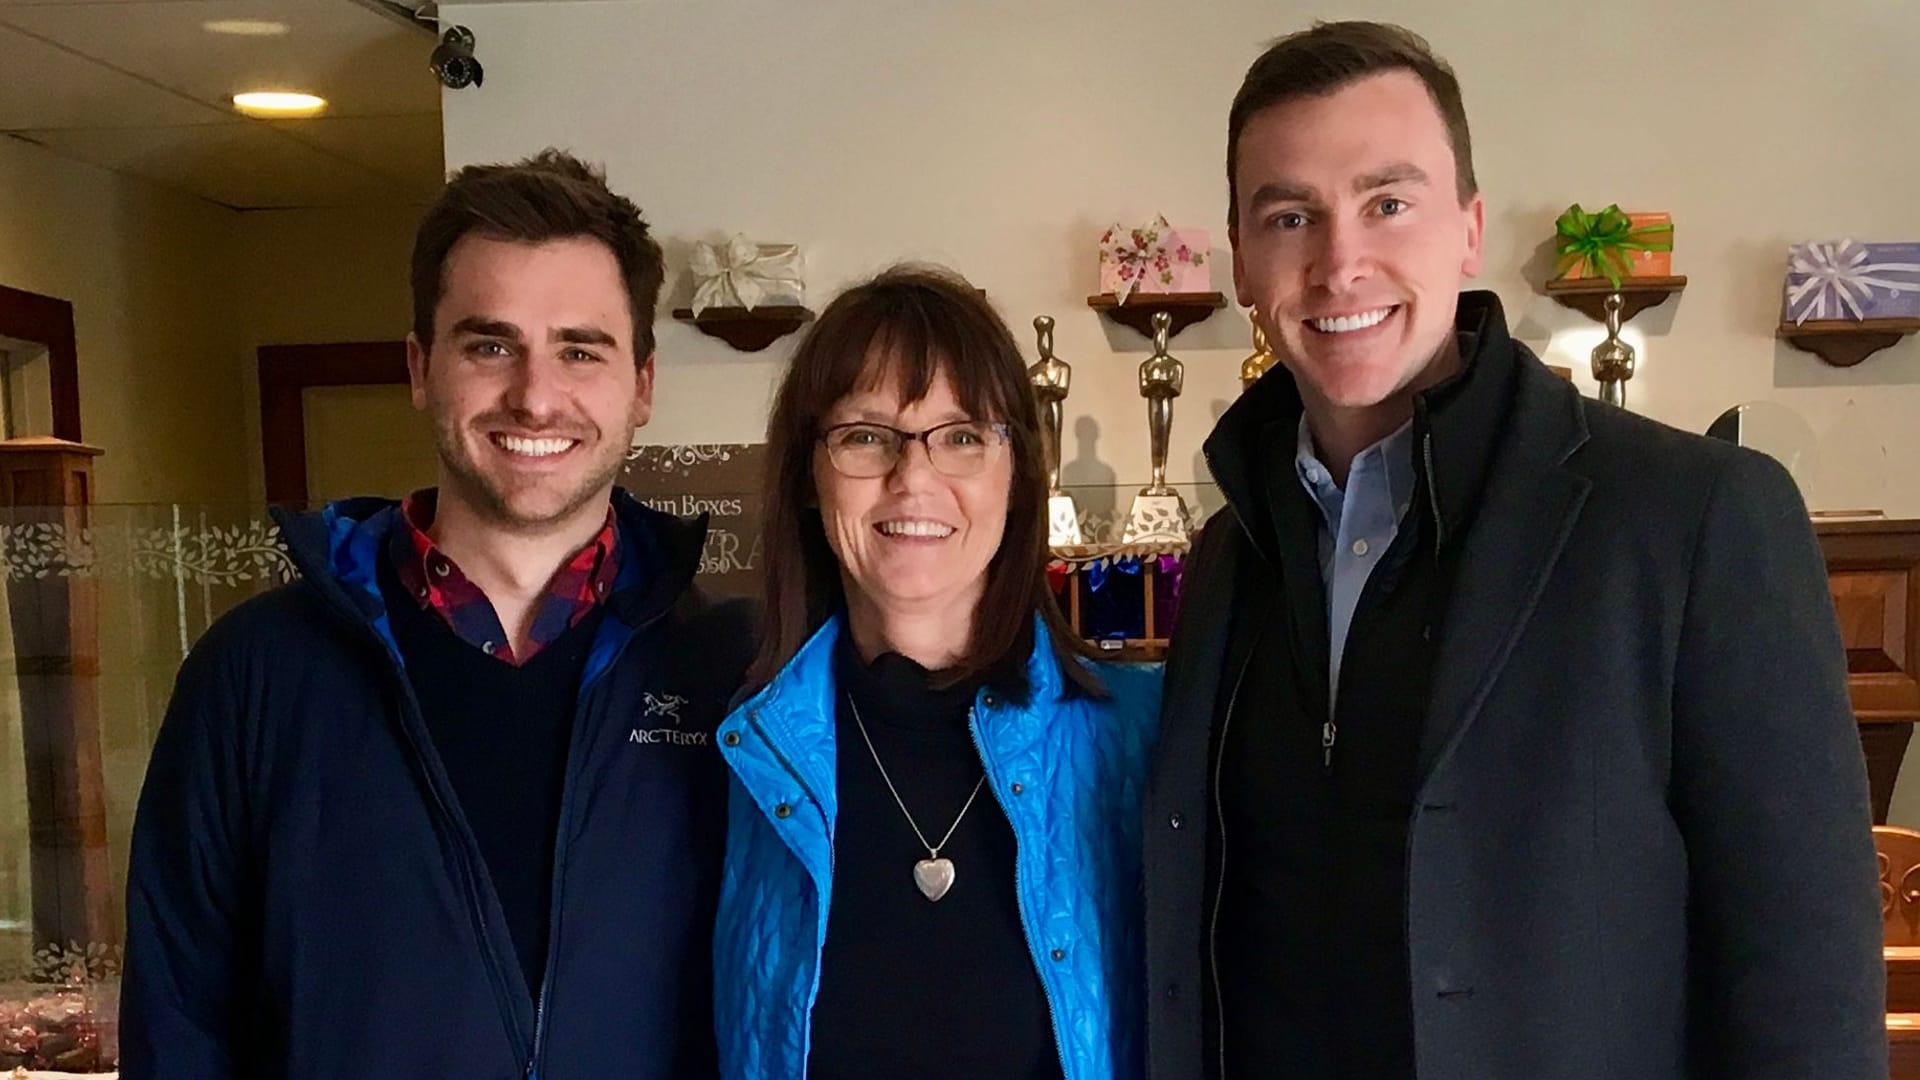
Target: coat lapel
[{"x": 1525, "y": 516}]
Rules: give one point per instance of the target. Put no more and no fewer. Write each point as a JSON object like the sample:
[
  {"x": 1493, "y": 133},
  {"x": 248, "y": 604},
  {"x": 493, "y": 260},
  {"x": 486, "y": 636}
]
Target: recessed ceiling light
[
  {"x": 245, "y": 27},
  {"x": 277, "y": 103}
]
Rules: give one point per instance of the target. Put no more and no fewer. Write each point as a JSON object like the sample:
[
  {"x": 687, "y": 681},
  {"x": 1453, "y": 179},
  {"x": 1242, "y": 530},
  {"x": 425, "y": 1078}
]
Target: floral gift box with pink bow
[
  {"x": 1154, "y": 258},
  {"x": 1841, "y": 279}
]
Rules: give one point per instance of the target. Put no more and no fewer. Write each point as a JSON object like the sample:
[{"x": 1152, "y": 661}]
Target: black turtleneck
[{"x": 908, "y": 986}]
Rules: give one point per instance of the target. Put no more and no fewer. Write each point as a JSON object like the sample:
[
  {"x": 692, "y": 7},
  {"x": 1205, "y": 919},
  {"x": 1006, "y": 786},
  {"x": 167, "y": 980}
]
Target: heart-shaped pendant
[{"x": 934, "y": 877}]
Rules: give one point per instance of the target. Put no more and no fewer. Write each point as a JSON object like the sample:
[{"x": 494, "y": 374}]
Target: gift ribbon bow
[
  {"x": 741, "y": 273},
  {"x": 1837, "y": 277},
  {"x": 1603, "y": 242},
  {"x": 1142, "y": 251}
]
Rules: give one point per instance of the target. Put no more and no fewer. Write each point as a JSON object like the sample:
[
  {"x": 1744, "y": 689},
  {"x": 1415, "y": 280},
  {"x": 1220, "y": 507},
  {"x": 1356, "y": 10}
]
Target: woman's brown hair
[{"x": 912, "y": 322}]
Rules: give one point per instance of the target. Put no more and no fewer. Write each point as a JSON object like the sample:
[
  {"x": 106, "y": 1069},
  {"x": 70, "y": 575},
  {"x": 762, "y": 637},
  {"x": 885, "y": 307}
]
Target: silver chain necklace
[{"x": 933, "y": 875}]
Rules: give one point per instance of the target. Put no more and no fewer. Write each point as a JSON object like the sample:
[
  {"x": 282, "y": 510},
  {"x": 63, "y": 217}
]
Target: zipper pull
[{"x": 1327, "y": 734}]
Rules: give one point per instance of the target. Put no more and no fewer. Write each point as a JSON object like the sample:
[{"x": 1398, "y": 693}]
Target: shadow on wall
[
  {"x": 1087, "y": 471},
  {"x": 1202, "y": 472}
]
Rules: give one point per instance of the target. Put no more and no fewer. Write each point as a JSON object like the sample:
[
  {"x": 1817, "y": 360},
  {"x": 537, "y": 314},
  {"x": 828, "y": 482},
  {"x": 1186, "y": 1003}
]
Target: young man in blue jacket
[{"x": 448, "y": 806}]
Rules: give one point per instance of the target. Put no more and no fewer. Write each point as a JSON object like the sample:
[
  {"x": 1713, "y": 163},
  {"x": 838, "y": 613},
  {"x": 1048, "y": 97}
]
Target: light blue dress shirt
[{"x": 1358, "y": 525}]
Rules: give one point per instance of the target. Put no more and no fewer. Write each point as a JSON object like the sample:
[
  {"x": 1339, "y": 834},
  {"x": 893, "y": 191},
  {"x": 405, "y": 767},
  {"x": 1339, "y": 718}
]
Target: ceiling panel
[
  {"x": 45, "y": 86},
  {"x": 248, "y": 165},
  {"x": 405, "y": 148},
  {"x": 362, "y": 63},
  {"x": 141, "y": 87}
]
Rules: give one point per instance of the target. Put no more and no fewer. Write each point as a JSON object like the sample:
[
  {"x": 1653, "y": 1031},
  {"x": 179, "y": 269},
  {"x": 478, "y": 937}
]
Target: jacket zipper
[
  {"x": 1433, "y": 494},
  {"x": 476, "y": 908},
  {"x": 1020, "y": 895},
  {"x": 1220, "y": 886},
  {"x": 412, "y": 717},
  {"x": 559, "y": 850}
]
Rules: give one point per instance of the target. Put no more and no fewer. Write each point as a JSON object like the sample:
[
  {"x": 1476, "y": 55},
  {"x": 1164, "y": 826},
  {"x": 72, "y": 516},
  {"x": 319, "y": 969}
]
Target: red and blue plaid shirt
[{"x": 432, "y": 578}]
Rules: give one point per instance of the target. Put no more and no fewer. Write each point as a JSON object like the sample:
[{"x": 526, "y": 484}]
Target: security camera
[{"x": 453, "y": 62}]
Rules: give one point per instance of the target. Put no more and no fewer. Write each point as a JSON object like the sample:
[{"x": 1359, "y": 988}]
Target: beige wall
[
  {"x": 314, "y": 276},
  {"x": 1001, "y": 136},
  {"x": 171, "y": 297},
  {"x": 148, "y": 274},
  {"x": 366, "y": 440}
]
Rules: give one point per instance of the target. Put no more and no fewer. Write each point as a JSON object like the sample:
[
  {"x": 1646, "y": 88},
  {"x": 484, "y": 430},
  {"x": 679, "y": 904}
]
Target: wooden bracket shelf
[
  {"x": 1184, "y": 309},
  {"x": 747, "y": 329},
  {"x": 1846, "y": 342},
  {"x": 1588, "y": 296}
]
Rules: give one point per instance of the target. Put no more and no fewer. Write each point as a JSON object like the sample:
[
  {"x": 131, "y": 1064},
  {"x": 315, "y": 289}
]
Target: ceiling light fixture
[
  {"x": 278, "y": 104},
  {"x": 245, "y": 27}
]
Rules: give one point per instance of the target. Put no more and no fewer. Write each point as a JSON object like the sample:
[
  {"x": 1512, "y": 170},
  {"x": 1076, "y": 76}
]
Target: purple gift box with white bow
[{"x": 1842, "y": 279}]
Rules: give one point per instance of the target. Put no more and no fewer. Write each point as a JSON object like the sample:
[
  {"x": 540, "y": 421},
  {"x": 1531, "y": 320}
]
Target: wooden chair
[{"x": 1899, "y": 851}]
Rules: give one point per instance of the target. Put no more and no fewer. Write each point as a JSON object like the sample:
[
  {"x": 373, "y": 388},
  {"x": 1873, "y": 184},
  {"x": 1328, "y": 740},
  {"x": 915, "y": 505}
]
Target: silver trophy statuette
[
  {"x": 1052, "y": 377},
  {"x": 1159, "y": 514}
]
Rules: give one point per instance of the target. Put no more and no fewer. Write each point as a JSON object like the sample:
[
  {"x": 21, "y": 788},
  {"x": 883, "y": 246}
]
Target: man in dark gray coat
[{"x": 1506, "y": 733}]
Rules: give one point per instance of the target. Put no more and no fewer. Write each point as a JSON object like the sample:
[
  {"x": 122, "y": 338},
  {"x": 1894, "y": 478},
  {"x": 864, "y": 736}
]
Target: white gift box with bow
[
  {"x": 1847, "y": 280},
  {"x": 744, "y": 274}
]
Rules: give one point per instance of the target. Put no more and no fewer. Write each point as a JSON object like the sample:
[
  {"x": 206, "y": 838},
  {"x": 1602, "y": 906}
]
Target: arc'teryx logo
[
  {"x": 663, "y": 705},
  {"x": 667, "y": 705}
]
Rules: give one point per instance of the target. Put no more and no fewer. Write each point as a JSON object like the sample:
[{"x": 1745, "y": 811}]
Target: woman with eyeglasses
[{"x": 933, "y": 863}]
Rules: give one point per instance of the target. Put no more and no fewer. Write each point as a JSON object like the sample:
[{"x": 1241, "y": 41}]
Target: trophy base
[
  {"x": 1063, "y": 522},
  {"x": 1156, "y": 519}
]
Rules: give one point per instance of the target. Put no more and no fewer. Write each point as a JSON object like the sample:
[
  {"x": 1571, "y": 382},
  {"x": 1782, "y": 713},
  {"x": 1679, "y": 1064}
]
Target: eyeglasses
[{"x": 862, "y": 451}]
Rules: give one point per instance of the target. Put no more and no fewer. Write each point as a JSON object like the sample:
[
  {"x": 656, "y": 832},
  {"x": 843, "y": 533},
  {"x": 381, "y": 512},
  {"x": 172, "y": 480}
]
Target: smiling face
[
  {"x": 1352, "y": 241},
  {"x": 913, "y": 541},
  {"x": 531, "y": 381}
]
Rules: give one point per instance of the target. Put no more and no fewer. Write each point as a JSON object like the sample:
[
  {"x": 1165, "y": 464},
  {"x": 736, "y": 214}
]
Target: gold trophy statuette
[
  {"x": 1159, "y": 514},
  {"x": 1613, "y": 358},
  {"x": 1051, "y": 378},
  {"x": 1262, "y": 359}
]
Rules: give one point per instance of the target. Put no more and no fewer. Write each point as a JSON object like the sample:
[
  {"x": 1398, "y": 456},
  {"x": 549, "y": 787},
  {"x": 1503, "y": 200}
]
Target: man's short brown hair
[
  {"x": 549, "y": 196},
  {"x": 1333, "y": 55}
]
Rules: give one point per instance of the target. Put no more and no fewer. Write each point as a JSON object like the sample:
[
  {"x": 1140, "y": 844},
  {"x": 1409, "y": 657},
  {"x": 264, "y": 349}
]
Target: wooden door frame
[
  {"x": 48, "y": 322},
  {"x": 286, "y": 373}
]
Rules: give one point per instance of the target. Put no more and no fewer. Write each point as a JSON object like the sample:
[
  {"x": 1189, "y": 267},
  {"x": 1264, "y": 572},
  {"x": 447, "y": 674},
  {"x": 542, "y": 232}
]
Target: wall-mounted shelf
[
  {"x": 747, "y": 329},
  {"x": 1846, "y": 342},
  {"x": 1184, "y": 309},
  {"x": 1588, "y": 296}
]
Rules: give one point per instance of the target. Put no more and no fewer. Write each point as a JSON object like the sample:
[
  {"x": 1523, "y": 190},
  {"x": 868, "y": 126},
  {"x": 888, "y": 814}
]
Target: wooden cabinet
[{"x": 1873, "y": 571}]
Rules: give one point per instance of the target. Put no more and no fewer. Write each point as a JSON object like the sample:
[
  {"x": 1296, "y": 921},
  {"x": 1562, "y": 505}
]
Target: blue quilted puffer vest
[{"x": 1068, "y": 773}]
